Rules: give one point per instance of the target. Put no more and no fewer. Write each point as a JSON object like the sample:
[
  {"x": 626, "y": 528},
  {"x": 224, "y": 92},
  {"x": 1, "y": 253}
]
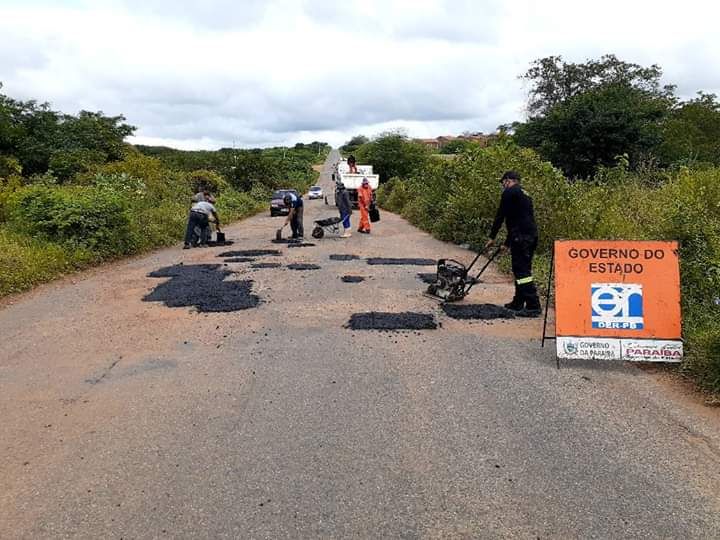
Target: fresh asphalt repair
[
  {"x": 407, "y": 320},
  {"x": 352, "y": 279},
  {"x": 398, "y": 262},
  {"x": 303, "y": 266},
  {"x": 203, "y": 286},
  {"x": 251, "y": 253},
  {"x": 239, "y": 260},
  {"x": 343, "y": 257},
  {"x": 427, "y": 277},
  {"x": 477, "y": 311}
]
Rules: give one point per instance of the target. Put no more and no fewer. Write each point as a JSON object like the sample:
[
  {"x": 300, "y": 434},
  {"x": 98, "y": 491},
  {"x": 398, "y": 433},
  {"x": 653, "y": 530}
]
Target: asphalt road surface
[{"x": 122, "y": 417}]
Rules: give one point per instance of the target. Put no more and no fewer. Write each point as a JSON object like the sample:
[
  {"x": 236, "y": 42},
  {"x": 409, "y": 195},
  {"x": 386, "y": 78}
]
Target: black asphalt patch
[
  {"x": 266, "y": 265},
  {"x": 285, "y": 241},
  {"x": 342, "y": 257},
  {"x": 427, "y": 278},
  {"x": 251, "y": 253},
  {"x": 408, "y": 262},
  {"x": 477, "y": 311},
  {"x": 298, "y": 244},
  {"x": 352, "y": 279},
  {"x": 303, "y": 266},
  {"x": 203, "y": 286},
  {"x": 213, "y": 243},
  {"x": 374, "y": 320},
  {"x": 240, "y": 260}
]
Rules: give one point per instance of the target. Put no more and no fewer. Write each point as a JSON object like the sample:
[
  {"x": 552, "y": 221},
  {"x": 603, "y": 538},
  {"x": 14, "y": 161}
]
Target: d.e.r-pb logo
[{"x": 617, "y": 306}]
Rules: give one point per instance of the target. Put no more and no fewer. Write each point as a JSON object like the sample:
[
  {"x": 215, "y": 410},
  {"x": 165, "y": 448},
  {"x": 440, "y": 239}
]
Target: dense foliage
[
  {"x": 583, "y": 117},
  {"x": 393, "y": 154}
]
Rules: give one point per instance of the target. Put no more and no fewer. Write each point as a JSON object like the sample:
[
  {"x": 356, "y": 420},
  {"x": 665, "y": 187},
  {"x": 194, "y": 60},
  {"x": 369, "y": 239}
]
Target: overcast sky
[{"x": 216, "y": 73}]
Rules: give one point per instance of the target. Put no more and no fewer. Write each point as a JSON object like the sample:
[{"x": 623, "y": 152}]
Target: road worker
[
  {"x": 342, "y": 201},
  {"x": 516, "y": 210},
  {"x": 295, "y": 216},
  {"x": 365, "y": 199}
]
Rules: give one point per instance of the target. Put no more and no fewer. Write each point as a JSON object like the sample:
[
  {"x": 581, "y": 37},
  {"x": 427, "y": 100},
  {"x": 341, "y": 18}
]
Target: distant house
[{"x": 430, "y": 143}]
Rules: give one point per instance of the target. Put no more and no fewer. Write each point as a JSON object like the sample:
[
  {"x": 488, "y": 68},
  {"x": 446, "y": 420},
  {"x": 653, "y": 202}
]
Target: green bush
[
  {"x": 85, "y": 217},
  {"x": 26, "y": 261}
]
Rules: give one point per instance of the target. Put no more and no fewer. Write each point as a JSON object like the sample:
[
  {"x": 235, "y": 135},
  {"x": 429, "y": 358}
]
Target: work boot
[
  {"x": 532, "y": 308},
  {"x": 186, "y": 246},
  {"x": 516, "y": 304}
]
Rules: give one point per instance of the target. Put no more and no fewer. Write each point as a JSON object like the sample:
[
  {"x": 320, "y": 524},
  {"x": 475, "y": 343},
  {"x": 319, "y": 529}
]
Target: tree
[
  {"x": 37, "y": 135},
  {"x": 692, "y": 132},
  {"x": 94, "y": 131},
  {"x": 595, "y": 127},
  {"x": 458, "y": 146},
  {"x": 554, "y": 81},
  {"x": 393, "y": 154},
  {"x": 353, "y": 144}
]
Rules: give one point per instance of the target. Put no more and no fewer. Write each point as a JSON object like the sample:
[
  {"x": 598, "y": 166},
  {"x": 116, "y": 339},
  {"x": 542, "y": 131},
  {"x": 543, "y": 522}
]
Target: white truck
[{"x": 353, "y": 181}]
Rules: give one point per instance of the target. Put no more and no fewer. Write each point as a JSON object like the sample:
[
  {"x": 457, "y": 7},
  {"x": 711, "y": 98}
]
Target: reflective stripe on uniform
[{"x": 525, "y": 280}]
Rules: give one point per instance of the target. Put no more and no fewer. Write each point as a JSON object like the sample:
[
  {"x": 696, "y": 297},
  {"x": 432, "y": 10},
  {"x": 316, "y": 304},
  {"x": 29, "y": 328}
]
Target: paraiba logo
[
  {"x": 570, "y": 347},
  {"x": 617, "y": 306}
]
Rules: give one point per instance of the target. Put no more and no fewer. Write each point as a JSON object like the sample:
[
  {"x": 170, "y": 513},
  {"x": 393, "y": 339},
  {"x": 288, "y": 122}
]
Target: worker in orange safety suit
[{"x": 365, "y": 199}]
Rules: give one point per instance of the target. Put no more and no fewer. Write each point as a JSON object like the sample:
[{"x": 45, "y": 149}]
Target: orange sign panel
[{"x": 624, "y": 290}]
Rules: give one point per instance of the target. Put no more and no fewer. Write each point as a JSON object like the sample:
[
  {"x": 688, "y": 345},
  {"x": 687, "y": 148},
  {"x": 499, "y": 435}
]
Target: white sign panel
[
  {"x": 633, "y": 350},
  {"x": 652, "y": 350},
  {"x": 588, "y": 348}
]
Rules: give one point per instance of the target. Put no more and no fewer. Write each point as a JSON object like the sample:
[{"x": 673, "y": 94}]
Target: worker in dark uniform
[
  {"x": 295, "y": 216},
  {"x": 516, "y": 210}
]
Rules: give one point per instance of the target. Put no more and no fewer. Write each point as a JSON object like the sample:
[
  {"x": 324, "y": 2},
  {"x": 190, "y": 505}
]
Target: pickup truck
[{"x": 353, "y": 181}]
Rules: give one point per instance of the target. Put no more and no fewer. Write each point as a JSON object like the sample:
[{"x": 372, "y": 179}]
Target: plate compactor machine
[{"x": 452, "y": 282}]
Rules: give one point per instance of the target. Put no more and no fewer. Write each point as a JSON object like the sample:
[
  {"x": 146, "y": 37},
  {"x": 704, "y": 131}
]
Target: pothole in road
[
  {"x": 303, "y": 266},
  {"x": 375, "y": 320},
  {"x": 240, "y": 260},
  {"x": 477, "y": 311},
  {"x": 300, "y": 245},
  {"x": 266, "y": 265},
  {"x": 203, "y": 286},
  {"x": 251, "y": 253},
  {"x": 352, "y": 279},
  {"x": 343, "y": 257},
  {"x": 408, "y": 262}
]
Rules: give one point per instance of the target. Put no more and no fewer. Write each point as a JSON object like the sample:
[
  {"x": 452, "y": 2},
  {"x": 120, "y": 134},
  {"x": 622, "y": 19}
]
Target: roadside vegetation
[
  {"x": 74, "y": 194},
  {"x": 617, "y": 158}
]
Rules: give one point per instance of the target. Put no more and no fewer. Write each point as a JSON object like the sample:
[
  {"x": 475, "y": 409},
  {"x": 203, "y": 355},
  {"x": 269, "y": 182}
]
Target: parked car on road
[
  {"x": 315, "y": 192},
  {"x": 277, "y": 205}
]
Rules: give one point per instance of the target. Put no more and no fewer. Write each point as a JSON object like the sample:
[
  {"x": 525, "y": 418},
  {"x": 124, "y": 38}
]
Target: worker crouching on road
[
  {"x": 342, "y": 201},
  {"x": 295, "y": 216},
  {"x": 516, "y": 210},
  {"x": 200, "y": 214},
  {"x": 365, "y": 199}
]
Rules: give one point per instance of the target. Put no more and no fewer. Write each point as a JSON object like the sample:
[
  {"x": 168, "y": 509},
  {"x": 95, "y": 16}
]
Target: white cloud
[{"x": 262, "y": 73}]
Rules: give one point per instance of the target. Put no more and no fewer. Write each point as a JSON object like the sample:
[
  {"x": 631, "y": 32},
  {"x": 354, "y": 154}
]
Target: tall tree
[
  {"x": 692, "y": 132},
  {"x": 595, "y": 127},
  {"x": 553, "y": 81}
]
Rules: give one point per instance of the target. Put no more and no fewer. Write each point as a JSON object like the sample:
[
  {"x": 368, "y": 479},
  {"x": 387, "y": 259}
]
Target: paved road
[{"x": 123, "y": 418}]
